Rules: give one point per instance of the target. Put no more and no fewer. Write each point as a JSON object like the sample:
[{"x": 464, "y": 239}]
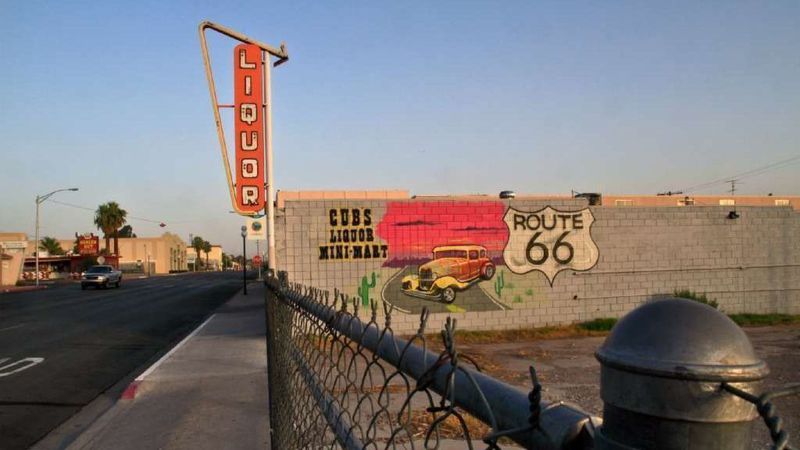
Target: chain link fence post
[{"x": 279, "y": 324}]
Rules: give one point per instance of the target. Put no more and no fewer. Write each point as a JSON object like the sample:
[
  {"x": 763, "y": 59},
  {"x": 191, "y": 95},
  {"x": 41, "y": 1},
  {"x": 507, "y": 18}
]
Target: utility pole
[
  {"x": 39, "y": 200},
  {"x": 733, "y": 214},
  {"x": 266, "y": 87}
]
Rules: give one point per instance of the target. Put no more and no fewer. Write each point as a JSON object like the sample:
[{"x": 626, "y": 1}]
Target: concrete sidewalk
[{"x": 209, "y": 393}]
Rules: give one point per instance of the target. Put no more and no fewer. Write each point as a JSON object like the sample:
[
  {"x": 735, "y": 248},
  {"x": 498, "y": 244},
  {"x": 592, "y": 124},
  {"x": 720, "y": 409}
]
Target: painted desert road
[{"x": 62, "y": 347}]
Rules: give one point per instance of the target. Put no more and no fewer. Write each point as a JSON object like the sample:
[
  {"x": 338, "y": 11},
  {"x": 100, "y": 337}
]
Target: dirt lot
[{"x": 568, "y": 370}]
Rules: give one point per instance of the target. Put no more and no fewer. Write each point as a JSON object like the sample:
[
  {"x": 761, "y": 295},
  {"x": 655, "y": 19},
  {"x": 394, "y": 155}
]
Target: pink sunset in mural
[{"x": 413, "y": 229}]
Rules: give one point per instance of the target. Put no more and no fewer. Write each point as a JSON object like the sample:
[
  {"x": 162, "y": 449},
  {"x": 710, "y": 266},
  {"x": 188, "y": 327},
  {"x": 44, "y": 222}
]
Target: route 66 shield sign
[{"x": 549, "y": 240}]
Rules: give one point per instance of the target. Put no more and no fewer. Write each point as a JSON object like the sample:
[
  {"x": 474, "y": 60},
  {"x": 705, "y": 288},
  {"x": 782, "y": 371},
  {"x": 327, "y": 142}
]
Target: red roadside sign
[
  {"x": 88, "y": 244},
  {"x": 257, "y": 260},
  {"x": 248, "y": 99}
]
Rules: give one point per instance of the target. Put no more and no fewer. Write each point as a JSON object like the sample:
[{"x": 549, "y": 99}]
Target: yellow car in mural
[{"x": 453, "y": 268}]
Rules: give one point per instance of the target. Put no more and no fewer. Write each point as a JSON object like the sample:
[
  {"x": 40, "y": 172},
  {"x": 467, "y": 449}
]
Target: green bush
[
  {"x": 601, "y": 324},
  {"x": 756, "y": 320},
  {"x": 700, "y": 298}
]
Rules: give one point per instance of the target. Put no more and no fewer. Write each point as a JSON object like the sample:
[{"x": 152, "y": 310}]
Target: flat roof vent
[{"x": 507, "y": 194}]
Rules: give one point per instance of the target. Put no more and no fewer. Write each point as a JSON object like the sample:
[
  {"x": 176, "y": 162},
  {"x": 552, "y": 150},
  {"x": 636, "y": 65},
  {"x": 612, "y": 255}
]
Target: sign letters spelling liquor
[{"x": 249, "y": 128}]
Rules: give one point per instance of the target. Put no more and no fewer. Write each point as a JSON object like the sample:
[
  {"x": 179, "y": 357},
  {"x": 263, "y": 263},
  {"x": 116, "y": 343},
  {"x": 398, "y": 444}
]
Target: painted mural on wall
[
  {"x": 445, "y": 252},
  {"x": 474, "y": 256},
  {"x": 553, "y": 241}
]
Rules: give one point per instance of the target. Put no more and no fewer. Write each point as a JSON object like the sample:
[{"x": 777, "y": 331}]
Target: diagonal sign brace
[{"x": 253, "y": 190}]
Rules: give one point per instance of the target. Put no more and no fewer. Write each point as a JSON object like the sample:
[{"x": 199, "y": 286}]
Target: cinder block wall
[{"x": 749, "y": 264}]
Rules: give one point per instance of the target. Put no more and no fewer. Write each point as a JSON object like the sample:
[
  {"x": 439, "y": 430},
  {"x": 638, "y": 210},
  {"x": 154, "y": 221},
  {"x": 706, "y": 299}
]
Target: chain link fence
[
  {"x": 341, "y": 378},
  {"x": 337, "y": 381}
]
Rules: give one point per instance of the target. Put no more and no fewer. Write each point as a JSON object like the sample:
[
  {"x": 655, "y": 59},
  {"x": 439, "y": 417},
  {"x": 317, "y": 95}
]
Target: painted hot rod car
[{"x": 453, "y": 268}]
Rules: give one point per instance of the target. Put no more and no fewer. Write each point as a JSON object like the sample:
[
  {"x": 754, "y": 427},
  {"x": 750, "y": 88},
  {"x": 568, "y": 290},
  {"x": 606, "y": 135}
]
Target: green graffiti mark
[
  {"x": 529, "y": 292},
  {"x": 363, "y": 290},
  {"x": 455, "y": 309},
  {"x": 517, "y": 299},
  {"x": 499, "y": 284}
]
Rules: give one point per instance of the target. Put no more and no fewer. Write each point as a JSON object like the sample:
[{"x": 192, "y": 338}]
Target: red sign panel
[
  {"x": 88, "y": 245},
  {"x": 257, "y": 260},
  {"x": 248, "y": 99}
]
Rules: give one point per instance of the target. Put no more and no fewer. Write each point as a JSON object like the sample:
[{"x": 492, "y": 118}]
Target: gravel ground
[{"x": 568, "y": 370}]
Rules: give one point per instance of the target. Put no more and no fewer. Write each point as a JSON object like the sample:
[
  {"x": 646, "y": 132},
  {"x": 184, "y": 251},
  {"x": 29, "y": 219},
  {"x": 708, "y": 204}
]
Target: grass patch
[
  {"x": 526, "y": 334},
  {"x": 602, "y": 324},
  {"x": 596, "y": 327},
  {"x": 762, "y": 320},
  {"x": 700, "y": 298}
]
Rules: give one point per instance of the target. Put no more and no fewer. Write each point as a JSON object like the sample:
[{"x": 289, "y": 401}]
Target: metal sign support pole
[{"x": 267, "y": 92}]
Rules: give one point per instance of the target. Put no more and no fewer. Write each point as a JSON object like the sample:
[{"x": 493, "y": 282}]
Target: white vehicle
[{"x": 101, "y": 277}]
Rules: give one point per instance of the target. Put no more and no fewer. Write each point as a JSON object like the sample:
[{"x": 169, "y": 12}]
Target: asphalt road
[{"x": 62, "y": 347}]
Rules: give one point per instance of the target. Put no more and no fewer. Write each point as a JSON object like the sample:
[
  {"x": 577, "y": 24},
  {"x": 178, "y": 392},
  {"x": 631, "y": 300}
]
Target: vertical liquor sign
[{"x": 249, "y": 128}]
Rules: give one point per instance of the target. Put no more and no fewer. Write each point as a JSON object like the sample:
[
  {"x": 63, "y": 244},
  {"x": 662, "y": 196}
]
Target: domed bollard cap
[{"x": 662, "y": 369}]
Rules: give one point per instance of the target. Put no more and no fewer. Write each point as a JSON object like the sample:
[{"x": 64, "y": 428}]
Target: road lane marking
[
  {"x": 173, "y": 350},
  {"x": 19, "y": 366},
  {"x": 12, "y": 327}
]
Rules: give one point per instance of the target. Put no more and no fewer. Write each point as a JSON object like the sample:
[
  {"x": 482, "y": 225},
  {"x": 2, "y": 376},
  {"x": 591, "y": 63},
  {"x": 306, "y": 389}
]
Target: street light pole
[
  {"x": 194, "y": 266},
  {"x": 258, "y": 252},
  {"x": 39, "y": 200},
  {"x": 244, "y": 258}
]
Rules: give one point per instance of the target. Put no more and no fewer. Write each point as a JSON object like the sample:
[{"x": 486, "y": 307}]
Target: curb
[{"x": 130, "y": 392}]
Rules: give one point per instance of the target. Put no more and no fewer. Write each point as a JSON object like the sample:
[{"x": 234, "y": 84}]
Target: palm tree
[
  {"x": 206, "y": 248},
  {"x": 197, "y": 244},
  {"x": 109, "y": 217},
  {"x": 51, "y": 245},
  {"x": 126, "y": 232}
]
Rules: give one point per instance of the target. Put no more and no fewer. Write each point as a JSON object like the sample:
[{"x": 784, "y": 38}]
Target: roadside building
[
  {"x": 214, "y": 258},
  {"x": 494, "y": 262},
  {"x": 151, "y": 255},
  {"x": 702, "y": 200},
  {"x": 12, "y": 257},
  {"x": 148, "y": 255}
]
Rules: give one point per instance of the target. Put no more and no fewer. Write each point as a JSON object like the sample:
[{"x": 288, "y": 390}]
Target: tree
[
  {"x": 127, "y": 232},
  {"x": 207, "y": 249},
  {"x": 108, "y": 218},
  {"x": 198, "y": 243},
  {"x": 226, "y": 261},
  {"x": 51, "y": 246}
]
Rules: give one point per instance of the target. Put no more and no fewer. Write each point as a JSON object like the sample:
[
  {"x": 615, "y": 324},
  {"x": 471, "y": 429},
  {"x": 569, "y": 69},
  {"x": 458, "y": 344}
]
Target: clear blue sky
[{"x": 435, "y": 97}]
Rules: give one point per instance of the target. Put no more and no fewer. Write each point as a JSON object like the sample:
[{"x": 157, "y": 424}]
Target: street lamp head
[{"x": 244, "y": 231}]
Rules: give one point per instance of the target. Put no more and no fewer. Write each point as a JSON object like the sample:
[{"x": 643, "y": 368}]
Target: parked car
[
  {"x": 101, "y": 277},
  {"x": 453, "y": 268}
]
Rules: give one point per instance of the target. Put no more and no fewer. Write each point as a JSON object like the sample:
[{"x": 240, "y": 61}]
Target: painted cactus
[
  {"x": 363, "y": 290},
  {"x": 499, "y": 284}
]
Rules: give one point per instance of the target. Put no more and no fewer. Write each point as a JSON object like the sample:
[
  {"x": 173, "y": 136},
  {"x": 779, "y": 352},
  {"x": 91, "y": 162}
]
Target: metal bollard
[{"x": 663, "y": 366}]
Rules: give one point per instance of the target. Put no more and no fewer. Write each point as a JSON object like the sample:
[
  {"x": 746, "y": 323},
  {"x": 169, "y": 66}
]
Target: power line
[
  {"x": 747, "y": 174},
  {"x": 86, "y": 208}
]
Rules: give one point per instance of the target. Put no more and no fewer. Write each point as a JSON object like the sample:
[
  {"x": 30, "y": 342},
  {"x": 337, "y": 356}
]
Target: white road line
[
  {"x": 19, "y": 366},
  {"x": 383, "y": 291},
  {"x": 12, "y": 327},
  {"x": 174, "y": 349}
]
